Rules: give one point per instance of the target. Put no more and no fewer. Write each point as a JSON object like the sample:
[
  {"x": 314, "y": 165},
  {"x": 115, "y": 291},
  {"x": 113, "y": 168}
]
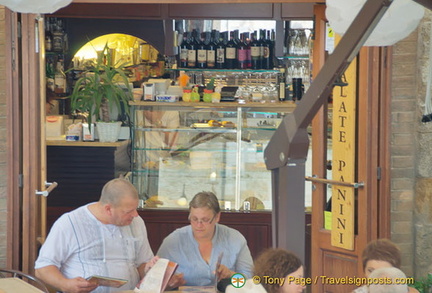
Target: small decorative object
[
  {"x": 216, "y": 96},
  {"x": 187, "y": 95},
  {"x": 208, "y": 91},
  {"x": 195, "y": 96}
]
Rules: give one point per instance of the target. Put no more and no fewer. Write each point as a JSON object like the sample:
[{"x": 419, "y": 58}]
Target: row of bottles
[
  {"x": 56, "y": 39},
  {"x": 215, "y": 50}
]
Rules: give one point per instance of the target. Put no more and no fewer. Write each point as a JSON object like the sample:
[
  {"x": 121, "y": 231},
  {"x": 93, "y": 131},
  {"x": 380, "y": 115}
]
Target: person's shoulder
[
  {"x": 362, "y": 289},
  {"x": 230, "y": 233}
]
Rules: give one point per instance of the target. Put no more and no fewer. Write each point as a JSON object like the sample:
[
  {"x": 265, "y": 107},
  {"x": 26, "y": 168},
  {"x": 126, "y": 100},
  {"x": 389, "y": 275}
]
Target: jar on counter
[
  {"x": 186, "y": 97},
  {"x": 207, "y": 96},
  {"x": 195, "y": 96}
]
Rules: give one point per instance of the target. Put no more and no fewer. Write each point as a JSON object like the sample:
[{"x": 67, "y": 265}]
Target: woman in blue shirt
[{"x": 196, "y": 247}]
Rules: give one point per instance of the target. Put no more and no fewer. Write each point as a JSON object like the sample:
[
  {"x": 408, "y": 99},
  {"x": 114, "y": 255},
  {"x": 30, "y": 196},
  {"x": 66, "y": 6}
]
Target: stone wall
[
  {"x": 423, "y": 171},
  {"x": 3, "y": 137}
]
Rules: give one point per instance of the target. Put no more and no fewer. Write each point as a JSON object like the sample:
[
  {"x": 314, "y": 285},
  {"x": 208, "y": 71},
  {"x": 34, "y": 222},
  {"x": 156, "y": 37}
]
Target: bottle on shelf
[
  {"x": 268, "y": 52},
  {"x": 274, "y": 59},
  {"x": 50, "y": 74},
  {"x": 231, "y": 53},
  {"x": 255, "y": 52},
  {"x": 248, "y": 56},
  {"x": 264, "y": 50},
  {"x": 192, "y": 50},
  {"x": 184, "y": 51},
  {"x": 211, "y": 50},
  {"x": 60, "y": 78},
  {"x": 236, "y": 36},
  {"x": 220, "y": 51},
  {"x": 242, "y": 52},
  {"x": 202, "y": 52},
  {"x": 58, "y": 37},
  {"x": 48, "y": 36}
]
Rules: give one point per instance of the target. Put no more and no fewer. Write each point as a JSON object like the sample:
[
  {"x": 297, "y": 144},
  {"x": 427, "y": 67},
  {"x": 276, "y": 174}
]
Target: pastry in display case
[{"x": 180, "y": 150}]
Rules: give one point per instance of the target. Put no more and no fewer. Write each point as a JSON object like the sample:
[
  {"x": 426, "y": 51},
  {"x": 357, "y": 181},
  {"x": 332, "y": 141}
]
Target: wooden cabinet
[
  {"x": 255, "y": 226},
  {"x": 81, "y": 169}
]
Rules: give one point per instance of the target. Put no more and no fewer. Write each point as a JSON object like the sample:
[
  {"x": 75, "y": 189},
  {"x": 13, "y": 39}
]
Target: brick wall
[
  {"x": 423, "y": 189},
  {"x": 3, "y": 136},
  {"x": 411, "y": 149}
]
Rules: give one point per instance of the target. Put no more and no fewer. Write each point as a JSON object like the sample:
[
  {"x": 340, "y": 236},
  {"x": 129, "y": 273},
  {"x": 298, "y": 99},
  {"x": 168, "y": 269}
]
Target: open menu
[
  {"x": 156, "y": 279},
  {"x": 107, "y": 281}
]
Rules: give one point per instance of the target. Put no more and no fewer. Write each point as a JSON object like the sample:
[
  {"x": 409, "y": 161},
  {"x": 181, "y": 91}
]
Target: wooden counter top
[{"x": 86, "y": 143}]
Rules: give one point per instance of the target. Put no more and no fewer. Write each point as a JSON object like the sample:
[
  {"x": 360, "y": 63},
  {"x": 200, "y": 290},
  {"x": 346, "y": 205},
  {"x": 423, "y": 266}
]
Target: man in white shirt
[{"x": 105, "y": 238}]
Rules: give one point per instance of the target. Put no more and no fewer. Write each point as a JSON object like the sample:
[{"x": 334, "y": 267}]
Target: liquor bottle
[
  {"x": 58, "y": 37},
  {"x": 184, "y": 51},
  {"x": 202, "y": 52},
  {"x": 231, "y": 53},
  {"x": 220, "y": 51},
  {"x": 48, "y": 36},
  {"x": 242, "y": 52},
  {"x": 264, "y": 53},
  {"x": 59, "y": 78},
  {"x": 211, "y": 50},
  {"x": 192, "y": 50},
  {"x": 255, "y": 52}
]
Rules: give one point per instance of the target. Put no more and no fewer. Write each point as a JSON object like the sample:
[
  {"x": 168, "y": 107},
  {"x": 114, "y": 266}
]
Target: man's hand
[
  {"x": 223, "y": 272},
  {"x": 176, "y": 281},
  {"x": 52, "y": 276},
  {"x": 78, "y": 285}
]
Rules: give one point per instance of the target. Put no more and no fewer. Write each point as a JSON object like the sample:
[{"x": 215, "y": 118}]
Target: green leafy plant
[
  {"x": 100, "y": 87},
  {"x": 424, "y": 284}
]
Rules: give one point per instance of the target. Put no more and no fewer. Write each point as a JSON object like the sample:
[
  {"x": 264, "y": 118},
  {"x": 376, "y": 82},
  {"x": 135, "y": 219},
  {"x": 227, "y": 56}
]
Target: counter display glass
[{"x": 180, "y": 149}]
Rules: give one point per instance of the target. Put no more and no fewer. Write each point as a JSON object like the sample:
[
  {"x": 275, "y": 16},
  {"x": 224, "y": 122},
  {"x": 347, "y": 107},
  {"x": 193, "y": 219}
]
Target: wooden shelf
[{"x": 288, "y": 106}]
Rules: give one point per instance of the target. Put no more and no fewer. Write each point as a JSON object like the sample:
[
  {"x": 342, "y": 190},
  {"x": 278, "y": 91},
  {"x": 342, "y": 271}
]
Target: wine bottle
[
  {"x": 255, "y": 52},
  {"x": 220, "y": 51},
  {"x": 242, "y": 52},
  {"x": 231, "y": 53},
  {"x": 267, "y": 56},
  {"x": 184, "y": 51},
  {"x": 264, "y": 54},
  {"x": 202, "y": 52},
  {"x": 248, "y": 56},
  {"x": 211, "y": 50},
  {"x": 192, "y": 50}
]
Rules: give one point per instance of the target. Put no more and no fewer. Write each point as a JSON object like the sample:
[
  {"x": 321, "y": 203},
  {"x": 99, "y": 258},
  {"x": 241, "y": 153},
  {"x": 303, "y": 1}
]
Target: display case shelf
[{"x": 174, "y": 161}]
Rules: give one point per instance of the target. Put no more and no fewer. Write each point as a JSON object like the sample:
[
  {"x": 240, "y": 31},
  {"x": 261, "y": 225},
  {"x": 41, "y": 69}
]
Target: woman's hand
[
  {"x": 223, "y": 272},
  {"x": 176, "y": 281},
  {"x": 150, "y": 264}
]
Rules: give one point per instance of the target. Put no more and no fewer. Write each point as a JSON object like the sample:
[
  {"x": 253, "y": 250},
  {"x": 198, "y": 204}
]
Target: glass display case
[{"x": 181, "y": 148}]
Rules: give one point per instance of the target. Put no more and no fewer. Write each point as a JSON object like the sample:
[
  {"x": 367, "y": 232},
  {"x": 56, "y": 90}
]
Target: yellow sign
[{"x": 343, "y": 135}]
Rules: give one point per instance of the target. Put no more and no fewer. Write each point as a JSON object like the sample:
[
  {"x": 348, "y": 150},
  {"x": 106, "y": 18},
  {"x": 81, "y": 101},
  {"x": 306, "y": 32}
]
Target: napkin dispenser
[{"x": 54, "y": 127}]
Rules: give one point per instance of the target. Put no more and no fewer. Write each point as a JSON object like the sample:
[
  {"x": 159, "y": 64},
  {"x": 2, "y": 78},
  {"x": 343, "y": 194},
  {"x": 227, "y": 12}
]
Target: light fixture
[
  {"x": 401, "y": 18},
  {"x": 35, "y": 6}
]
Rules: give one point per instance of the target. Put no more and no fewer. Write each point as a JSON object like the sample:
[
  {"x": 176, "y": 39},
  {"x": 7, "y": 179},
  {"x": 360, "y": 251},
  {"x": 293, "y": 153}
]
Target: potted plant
[{"x": 100, "y": 90}]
